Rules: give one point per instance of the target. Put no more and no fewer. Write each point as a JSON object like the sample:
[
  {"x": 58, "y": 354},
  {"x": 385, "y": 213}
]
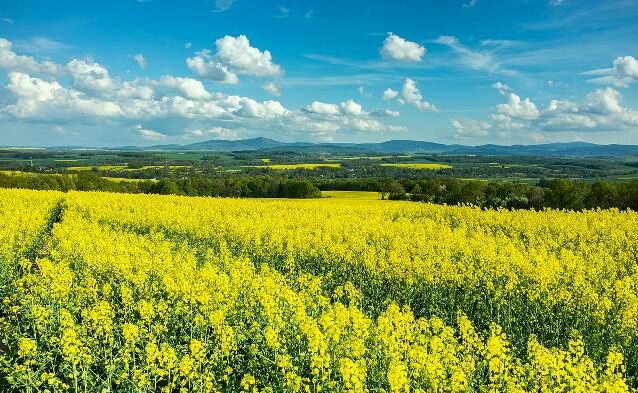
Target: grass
[
  {"x": 99, "y": 167},
  {"x": 420, "y": 165},
  {"x": 300, "y": 166},
  {"x": 124, "y": 179},
  {"x": 266, "y": 160},
  {"x": 367, "y": 158},
  {"x": 359, "y": 195},
  {"x": 123, "y": 168}
]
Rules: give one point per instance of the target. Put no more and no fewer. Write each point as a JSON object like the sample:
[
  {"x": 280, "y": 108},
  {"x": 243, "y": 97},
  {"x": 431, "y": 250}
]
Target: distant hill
[{"x": 570, "y": 149}]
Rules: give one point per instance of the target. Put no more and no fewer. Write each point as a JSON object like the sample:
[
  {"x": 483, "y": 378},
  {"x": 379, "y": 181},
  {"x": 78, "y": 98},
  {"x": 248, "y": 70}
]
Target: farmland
[
  {"x": 418, "y": 165},
  {"x": 116, "y": 292}
]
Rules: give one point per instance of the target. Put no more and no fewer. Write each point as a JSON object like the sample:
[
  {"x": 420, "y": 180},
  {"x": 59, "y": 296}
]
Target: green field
[
  {"x": 300, "y": 166},
  {"x": 419, "y": 165},
  {"x": 360, "y": 195}
]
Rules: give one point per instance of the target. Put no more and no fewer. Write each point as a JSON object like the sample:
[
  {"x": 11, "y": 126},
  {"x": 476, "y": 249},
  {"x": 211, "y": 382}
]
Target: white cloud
[
  {"x": 41, "y": 44},
  {"x": 89, "y": 75},
  {"x": 188, "y": 45},
  {"x": 517, "y": 108},
  {"x": 234, "y": 56},
  {"x": 352, "y": 108},
  {"x": 323, "y": 108},
  {"x": 412, "y": 96},
  {"x": 140, "y": 60},
  {"x": 470, "y": 128},
  {"x": 604, "y": 101},
  {"x": 39, "y": 99},
  {"x": 390, "y": 94},
  {"x": 13, "y": 62},
  {"x": 190, "y": 88},
  {"x": 473, "y": 59},
  {"x": 470, "y": 3},
  {"x": 501, "y": 87},
  {"x": 223, "y": 5},
  {"x": 397, "y": 48},
  {"x": 600, "y": 111},
  {"x": 205, "y": 67},
  {"x": 385, "y": 113},
  {"x": 213, "y": 132},
  {"x": 150, "y": 135},
  {"x": 7, "y": 20},
  {"x": 271, "y": 88},
  {"x": 89, "y": 95},
  {"x": 266, "y": 110},
  {"x": 623, "y": 73},
  {"x": 237, "y": 53}
]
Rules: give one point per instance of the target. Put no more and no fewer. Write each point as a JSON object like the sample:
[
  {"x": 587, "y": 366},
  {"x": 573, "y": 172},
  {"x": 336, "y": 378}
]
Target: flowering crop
[{"x": 141, "y": 293}]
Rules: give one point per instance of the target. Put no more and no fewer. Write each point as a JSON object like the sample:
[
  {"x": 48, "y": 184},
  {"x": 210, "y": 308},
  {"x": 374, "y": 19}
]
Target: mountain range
[{"x": 569, "y": 149}]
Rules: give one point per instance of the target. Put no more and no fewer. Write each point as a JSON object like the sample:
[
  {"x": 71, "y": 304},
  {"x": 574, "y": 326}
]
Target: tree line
[
  {"x": 238, "y": 186},
  {"x": 556, "y": 193}
]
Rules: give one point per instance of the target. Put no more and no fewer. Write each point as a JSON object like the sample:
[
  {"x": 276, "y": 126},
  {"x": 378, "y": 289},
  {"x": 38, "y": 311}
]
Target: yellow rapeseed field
[
  {"x": 140, "y": 293},
  {"x": 420, "y": 165}
]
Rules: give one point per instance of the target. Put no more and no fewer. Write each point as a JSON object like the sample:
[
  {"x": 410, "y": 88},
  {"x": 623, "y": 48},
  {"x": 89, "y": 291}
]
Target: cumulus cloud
[
  {"x": 234, "y": 56},
  {"x": 470, "y": 128},
  {"x": 601, "y": 110},
  {"x": 204, "y": 66},
  {"x": 501, "y": 87},
  {"x": 397, "y": 48},
  {"x": 213, "y": 132},
  {"x": 88, "y": 94},
  {"x": 390, "y": 94},
  {"x": 348, "y": 115},
  {"x": 89, "y": 75},
  {"x": 623, "y": 73},
  {"x": 517, "y": 108},
  {"x": 237, "y": 53},
  {"x": 140, "y": 60},
  {"x": 271, "y": 88},
  {"x": 11, "y": 61},
  {"x": 188, "y": 87},
  {"x": 412, "y": 96}
]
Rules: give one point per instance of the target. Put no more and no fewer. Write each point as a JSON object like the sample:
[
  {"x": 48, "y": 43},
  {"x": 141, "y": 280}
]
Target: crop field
[
  {"x": 419, "y": 166},
  {"x": 360, "y": 195},
  {"x": 301, "y": 166},
  {"x": 143, "y": 293}
]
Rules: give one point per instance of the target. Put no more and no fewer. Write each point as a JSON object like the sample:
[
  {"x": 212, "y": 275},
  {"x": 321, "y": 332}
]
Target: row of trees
[
  {"x": 556, "y": 193},
  {"x": 235, "y": 186}
]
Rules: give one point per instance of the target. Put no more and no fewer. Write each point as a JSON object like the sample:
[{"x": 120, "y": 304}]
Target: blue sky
[{"x": 472, "y": 72}]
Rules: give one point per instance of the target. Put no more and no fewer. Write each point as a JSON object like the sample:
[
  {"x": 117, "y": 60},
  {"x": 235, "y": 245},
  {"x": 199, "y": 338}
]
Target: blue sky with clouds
[{"x": 474, "y": 71}]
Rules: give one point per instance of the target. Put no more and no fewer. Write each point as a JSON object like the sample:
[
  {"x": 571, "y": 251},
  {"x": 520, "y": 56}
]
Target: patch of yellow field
[
  {"x": 265, "y": 160},
  {"x": 301, "y": 166},
  {"x": 23, "y": 173},
  {"x": 359, "y": 195},
  {"x": 99, "y": 167},
  {"x": 419, "y": 165},
  {"x": 124, "y": 179},
  {"x": 367, "y": 158}
]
